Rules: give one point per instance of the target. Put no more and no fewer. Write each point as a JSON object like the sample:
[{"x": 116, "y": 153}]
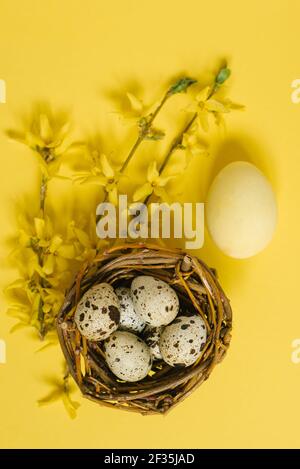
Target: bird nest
[{"x": 164, "y": 387}]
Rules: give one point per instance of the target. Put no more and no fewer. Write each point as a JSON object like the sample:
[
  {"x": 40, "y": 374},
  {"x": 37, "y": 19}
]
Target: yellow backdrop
[{"x": 74, "y": 54}]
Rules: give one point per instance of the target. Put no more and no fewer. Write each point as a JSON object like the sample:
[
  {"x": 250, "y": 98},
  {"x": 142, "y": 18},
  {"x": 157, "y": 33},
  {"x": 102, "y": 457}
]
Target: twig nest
[
  {"x": 129, "y": 320},
  {"x": 151, "y": 336},
  {"x": 121, "y": 371},
  {"x": 127, "y": 356},
  {"x": 182, "y": 341},
  {"x": 98, "y": 312},
  {"x": 154, "y": 300}
]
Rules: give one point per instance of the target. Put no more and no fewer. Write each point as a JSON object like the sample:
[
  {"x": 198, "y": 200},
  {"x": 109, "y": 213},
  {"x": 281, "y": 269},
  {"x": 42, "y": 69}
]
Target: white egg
[
  {"x": 241, "y": 211},
  {"x": 130, "y": 320},
  {"x": 152, "y": 335},
  {"x": 98, "y": 312},
  {"x": 127, "y": 356},
  {"x": 154, "y": 300},
  {"x": 182, "y": 341}
]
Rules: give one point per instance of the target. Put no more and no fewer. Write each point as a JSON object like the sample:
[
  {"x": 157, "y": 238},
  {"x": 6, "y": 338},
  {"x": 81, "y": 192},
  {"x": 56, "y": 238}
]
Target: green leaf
[
  {"x": 181, "y": 85},
  {"x": 223, "y": 75}
]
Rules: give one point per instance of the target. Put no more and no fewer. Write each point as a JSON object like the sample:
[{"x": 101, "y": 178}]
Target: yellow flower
[
  {"x": 61, "y": 390},
  {"x": 52, "y": 300},
  {"x": 89, "y": 243},
  {"x": 30, "y": 297},
  {"x": 45, "y": 269},
  {"x": 207, "y": 104},
  {"x": 35, "y": 292},
  {"x": 135, "y": 107},
  {"x": 94, "y": 174},
  {"x": 42, "y": 239},
  {"x": 103, "y": 174},
  {"x": 46, "y": 134},
  {"x": 24, "y": 304},
  {"x": 155, "y": 185},
  {"x": 29, "y": 284},
  {"x": 193, "y": 145}
]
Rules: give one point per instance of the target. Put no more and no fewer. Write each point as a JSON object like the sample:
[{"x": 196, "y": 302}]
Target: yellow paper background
[{"x": 73, "y": 54}]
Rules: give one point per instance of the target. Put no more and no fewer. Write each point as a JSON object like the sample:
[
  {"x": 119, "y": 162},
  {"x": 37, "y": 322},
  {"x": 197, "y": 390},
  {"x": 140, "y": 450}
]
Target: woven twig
[{"x": 198, "y": 290}]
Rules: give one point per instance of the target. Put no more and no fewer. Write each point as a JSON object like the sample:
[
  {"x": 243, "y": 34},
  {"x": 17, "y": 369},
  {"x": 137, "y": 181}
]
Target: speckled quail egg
[
  {"x": 98, "y": 312},
  {"x": 130, "y": 320},
  {"x": 182, "y": 341},
  {"x": 127, "y": 356},
  {"x": 154, "y": 300},
  {"x": 152, "y": 335}
]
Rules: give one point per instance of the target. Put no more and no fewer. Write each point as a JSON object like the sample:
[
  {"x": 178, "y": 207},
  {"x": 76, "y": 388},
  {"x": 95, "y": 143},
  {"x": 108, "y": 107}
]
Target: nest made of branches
[{"x": 198, "y": 290}]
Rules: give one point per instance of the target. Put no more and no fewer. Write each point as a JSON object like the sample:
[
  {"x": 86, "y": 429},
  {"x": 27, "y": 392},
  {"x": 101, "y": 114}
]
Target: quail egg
[
  {"x": 127, "y": 356},
  {"x": 182, "y": 341},
  {"x": 98, "y": 312},
  {"x": 151, "y": 336},
  {"x": 130, "y": 320},
  {"x": 154, "y": 300}
]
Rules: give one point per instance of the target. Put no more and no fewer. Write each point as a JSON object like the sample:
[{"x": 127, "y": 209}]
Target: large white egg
[{"x": 241, "y": 211}]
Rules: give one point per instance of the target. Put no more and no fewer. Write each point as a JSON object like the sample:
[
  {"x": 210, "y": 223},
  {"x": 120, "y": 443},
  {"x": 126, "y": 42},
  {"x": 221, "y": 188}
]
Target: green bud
[
  {"x": 154, "y": 134},
  {"x": 223, "y": 75},
  {"x": 181, "y": 85}
]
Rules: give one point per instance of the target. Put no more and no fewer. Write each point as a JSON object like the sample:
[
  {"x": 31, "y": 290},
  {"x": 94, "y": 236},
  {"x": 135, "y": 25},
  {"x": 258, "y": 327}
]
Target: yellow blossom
[
  {"x": 24, "y": 306},
  {"x": 101, "y": 173},
  {"x": 41, "y": 238},
  {"x": 207, "y": 103},
  {"x": 52, "y": 300},
  {"x": 45, "y": 134},
  {"x": 89, "y": 244},
  {"x": 30, "y": 296},
  {"x": 193, "y": 144},
  {"x": 135, "y": 105},
  {"x": 61, "y": 391},
  {"x": 155, "y": 184},
  {"x": 44, "y": 261}
]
